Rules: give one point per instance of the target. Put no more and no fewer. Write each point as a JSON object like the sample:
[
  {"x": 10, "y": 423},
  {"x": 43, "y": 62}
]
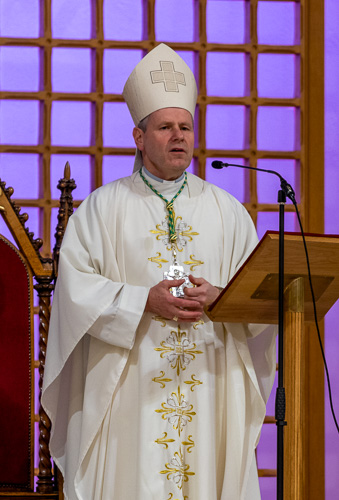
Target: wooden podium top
[{"x": 252, "y": 294}]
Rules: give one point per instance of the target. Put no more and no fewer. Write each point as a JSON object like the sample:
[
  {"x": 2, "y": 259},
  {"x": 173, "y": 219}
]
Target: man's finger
[
  {"x": 189, "y": 304},
  {"x": 188, "y": 316},
  {"x": 172, "y": 283},
  {"x": 196, "y": 281}
]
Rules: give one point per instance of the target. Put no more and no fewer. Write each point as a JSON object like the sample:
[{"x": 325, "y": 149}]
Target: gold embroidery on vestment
[
  {"x": 161, "y": 319},
  {"x": 177, "y": 470},
  {"x": 160, "y": 380},
  {"x": 183, "y": 233},
  {"x": 193, "y": 262},
  {"x": 158, "y": 260},
  {"x": 189, "y": 443},
  {"x": 171, "y": 497},
  {"x": 178, "y": 349},
  {"x": 164, "y": 441},
  {"x": 193, "y": 382},
  {"x": 198, "y": 323},
  {"x": 177, "y": 411}
]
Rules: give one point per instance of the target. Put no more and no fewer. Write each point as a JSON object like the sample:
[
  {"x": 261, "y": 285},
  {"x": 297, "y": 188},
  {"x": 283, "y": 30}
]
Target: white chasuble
[{"x": 144, "y": 407}]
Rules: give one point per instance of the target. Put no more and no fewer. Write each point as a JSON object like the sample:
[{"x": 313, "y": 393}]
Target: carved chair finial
[{"x": 66, "y": 186}]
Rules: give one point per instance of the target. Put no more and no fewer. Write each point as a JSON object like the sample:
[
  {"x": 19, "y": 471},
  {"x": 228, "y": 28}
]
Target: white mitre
[{"x": 160, "y": 80}]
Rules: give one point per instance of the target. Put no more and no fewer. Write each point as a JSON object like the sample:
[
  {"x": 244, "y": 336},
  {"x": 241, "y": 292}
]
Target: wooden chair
[{"x": 18, "y": 267}]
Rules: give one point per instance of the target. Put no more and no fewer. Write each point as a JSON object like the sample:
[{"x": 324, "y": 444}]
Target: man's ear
[{"x": 138, "y": 136}]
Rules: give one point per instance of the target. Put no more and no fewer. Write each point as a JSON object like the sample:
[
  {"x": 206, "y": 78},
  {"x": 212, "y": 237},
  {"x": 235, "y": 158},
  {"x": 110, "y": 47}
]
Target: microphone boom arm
[{"x": 287, "y": 188}]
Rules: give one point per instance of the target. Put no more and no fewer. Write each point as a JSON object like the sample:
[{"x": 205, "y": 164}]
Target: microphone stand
[{"x": 280, "y": 402}]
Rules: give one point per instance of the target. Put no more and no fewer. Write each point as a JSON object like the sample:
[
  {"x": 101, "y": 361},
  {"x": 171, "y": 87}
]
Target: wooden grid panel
[
  {"x": 310, "y": 105},
  {"x": 97, "y": 97}
]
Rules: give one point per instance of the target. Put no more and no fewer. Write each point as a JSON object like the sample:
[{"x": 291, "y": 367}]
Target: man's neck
[{"x": 155, "y": 178}]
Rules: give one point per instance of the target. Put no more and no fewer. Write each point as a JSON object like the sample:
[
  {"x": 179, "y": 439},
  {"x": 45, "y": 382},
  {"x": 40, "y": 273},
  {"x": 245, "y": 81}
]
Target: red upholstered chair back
[{"x": 16, "y": 369}]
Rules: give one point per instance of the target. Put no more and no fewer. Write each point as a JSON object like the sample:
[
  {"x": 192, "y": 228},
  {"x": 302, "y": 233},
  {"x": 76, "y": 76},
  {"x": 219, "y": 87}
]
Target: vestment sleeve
[
  {"x": 122, "y": 315},
  {"x": 90, "y": 281},
  {"x": 240, "y": 231}
]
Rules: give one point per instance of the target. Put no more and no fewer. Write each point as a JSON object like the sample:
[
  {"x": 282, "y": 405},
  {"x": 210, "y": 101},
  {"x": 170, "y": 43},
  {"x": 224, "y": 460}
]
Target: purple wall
[{"x": 332, "y": 227}]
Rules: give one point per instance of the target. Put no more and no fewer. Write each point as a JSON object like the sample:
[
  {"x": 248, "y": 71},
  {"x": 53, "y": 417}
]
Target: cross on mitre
[{"x": 168, "y": 76}]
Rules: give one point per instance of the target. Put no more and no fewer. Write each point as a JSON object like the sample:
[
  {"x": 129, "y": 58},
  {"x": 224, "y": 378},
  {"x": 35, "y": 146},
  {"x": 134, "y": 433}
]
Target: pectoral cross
[{"x": 177, "y": 272}]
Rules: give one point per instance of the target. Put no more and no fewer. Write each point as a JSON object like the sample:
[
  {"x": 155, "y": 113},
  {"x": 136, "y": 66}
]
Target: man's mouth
[{"x": 177, "y": 150}]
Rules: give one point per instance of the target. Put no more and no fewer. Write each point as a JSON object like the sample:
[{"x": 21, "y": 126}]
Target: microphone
[
  {"x": 287, "y": 188},
  {"x": 219, "y": 164}
]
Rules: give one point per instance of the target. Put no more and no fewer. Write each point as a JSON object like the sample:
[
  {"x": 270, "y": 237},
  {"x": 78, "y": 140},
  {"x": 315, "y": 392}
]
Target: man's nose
[{"x": 177, "y": 133}]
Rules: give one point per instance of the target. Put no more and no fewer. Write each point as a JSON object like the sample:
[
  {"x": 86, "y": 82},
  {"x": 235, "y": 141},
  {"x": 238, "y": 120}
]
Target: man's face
[{"x": 168, "y": 143}]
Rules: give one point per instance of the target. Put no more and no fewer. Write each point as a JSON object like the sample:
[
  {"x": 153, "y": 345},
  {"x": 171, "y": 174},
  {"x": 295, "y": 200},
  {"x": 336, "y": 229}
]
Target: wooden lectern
[{"x": 252, "y": 297}]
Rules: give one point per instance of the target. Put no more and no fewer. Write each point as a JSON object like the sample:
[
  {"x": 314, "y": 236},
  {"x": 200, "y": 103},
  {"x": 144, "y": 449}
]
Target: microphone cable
[
  {"x": 316, "y": 315},
  {"x": 288, "y": 190}
]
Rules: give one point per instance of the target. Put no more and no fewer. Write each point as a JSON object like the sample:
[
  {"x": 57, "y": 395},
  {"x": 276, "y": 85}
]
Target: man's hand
[
  {"x": 161, "y": 302},
  {"x": 203, "y": 292}
]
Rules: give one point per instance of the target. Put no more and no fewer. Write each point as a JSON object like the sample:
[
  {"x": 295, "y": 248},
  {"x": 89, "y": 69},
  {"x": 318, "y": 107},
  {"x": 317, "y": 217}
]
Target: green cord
[{"x": 169, "y": 205}]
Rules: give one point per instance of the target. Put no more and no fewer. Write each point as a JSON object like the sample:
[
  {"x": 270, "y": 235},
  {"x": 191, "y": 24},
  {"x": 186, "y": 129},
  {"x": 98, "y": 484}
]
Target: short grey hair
[{"x": 143, "y": 123}]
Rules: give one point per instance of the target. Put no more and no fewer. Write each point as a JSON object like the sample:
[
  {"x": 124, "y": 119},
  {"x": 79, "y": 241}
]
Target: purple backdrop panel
[
  {"x": 19, "y": 122},
  {"x": 230, "y": 179},
  {"x": 19, "y": 69},
  {"x": 277, "y": 23},
  {"x": 267, "y": 487},
  {"x": 35, "y": 298},
  {"x": 192, "y": 167},
  {"x": 277, "y": 75},
  {"x": 21, "y": 171},
  {"x": 332, "y": 227},
  {"x": 226, "y": 74},
  {"x": 269, "y": 221},
  {"x": 331, "y": 435},
  {"x": 36, "y": 382},
  {"x": 277, "y": 128},
  {"x": 54, "y": 222},
  {"x": 20, "y": 19},
  {"x": 266, "y": 456},
  {"x": 118, "y": 64},
  {"x": 80, "y": 172},
  {"x": 117, "y": 125},
  {"x": 332, "y": 171},
  {"x": 169, "y": 26},
  {"x": 71, "y": 70},
  {"x": 36, "y": 438},
  {"x": 36, "y": 344},
  {"x": 123, "y": 20},
  {"x": 71, "y": 123},
  {"x": 226, "y": 21},
  {"x": 266, "y": 451},
  {"x": 268, "y": 184},
  {"x": 5, "y": 232},
  {"x": 189, "y": 58},
  {"x": 116, "y": 167},
  {"x": 225, "y": 127},
  {"x": 71, "y": 19},
  {"x": 32, "y": 223}
]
